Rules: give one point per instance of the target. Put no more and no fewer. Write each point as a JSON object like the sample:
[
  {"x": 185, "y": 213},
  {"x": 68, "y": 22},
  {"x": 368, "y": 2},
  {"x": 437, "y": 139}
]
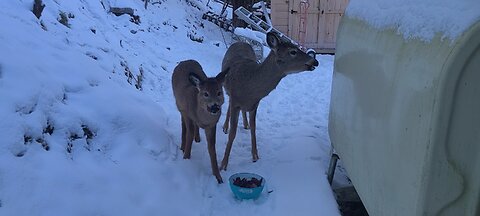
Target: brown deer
[
  {"x": 199, "y": 100},
  {"x": 248, "y": 82}
]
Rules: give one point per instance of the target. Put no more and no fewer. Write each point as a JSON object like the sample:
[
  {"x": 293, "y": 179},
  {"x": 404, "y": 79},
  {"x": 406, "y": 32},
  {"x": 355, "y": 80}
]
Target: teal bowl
[{"x": 245, "y": 192}]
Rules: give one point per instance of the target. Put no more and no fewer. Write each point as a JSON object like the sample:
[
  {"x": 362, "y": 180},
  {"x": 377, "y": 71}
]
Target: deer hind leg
[
  {"x": 184, "y": 132},
  {"x": 210, "y": 133},
  {"x": 245, "y": 120},
  {"x": 227, "y": 119},
  {"x": 231, "y": 135},
  {"x": 190, "y": 125},
  {"x": 196, "y": 134},
  {"x": 253, "y": 126}
]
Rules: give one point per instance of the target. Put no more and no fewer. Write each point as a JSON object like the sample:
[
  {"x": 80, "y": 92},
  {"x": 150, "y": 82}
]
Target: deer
[
  {"x": 199, "y": 100},
  {"x": 248, "y": 82}
]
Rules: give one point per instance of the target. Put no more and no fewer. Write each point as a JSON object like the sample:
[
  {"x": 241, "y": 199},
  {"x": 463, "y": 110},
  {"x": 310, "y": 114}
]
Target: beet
[{"x": 243, "y": 182}]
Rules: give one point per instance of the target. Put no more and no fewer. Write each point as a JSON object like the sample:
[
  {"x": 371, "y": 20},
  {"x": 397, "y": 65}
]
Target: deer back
[{"x": 237, "y": 53}]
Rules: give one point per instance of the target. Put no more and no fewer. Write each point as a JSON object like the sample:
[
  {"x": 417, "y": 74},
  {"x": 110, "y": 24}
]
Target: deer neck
[{"x": 268, "y": 75}]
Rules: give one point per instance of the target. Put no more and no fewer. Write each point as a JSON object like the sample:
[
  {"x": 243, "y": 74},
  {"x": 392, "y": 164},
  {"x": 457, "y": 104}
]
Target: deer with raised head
[
  {"x": 199, "y": 100},
  {"x": 248, "y": 82}
]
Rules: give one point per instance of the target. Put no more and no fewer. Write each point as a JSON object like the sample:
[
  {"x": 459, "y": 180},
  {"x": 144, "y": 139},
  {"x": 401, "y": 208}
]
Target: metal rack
[{"x": 221, "y": 21}]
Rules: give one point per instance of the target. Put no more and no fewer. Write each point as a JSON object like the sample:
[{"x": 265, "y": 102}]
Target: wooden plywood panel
[
  {"x": 283, "y": 29},
  {"x": 280, "y": 6},
  {"x": 329, "y": 20},
  {"x": 329, "y": 41},
  {"x": 280, "y": 16},
  {"x": 292, "y": 20},
  {"x": 333, "y": 6},
  {"x": 322, "y": 22},
  {"x": 321, "y": 31},
  {"x": 311, "y": 21},
  {"x": 280, "y": 22},
  {"x": 312, "y": 28}
]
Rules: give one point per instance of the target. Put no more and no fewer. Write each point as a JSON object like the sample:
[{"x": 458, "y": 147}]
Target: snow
[
  {"x": 418, "y": 19},
  {"x": 251, "y": 34},
  {"x": 113, "y": 148}
]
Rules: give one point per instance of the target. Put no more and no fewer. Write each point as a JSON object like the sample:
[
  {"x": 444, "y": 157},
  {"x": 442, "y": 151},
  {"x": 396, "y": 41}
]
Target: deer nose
[
  {"x": 311, "y": 64},
  {"x": 214, "y": 109}
]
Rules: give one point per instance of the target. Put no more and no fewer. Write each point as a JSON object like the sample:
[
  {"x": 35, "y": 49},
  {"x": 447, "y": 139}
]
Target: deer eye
[
  {"x": 205, "y": 94},
  {"x": 293, "y": 53}
]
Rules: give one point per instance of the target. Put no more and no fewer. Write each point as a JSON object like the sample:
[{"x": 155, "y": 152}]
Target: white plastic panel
[{"x": 405, "y": 119}]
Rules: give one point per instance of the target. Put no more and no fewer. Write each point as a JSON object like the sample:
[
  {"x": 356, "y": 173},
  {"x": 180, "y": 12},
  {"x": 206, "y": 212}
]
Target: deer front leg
[
  {"x": 231, "y": 136},
  {"x": 253, "y": 126},
  {"x": 184, "y": 132},
  {"x": 227, "y": 119},
  {"x": 245, "y": 120},
  {"x": 210, "y": 133},
  {"x": 196, "y": 134},
  {"x": 188, "y": 138}
]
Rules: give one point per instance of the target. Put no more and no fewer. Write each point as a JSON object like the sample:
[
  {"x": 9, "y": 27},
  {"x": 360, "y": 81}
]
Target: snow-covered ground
[{"x": 80, "y": 137}]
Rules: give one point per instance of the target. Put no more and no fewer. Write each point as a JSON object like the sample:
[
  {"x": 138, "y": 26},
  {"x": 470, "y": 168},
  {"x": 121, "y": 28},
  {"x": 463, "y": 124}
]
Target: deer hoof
[
  {"x": 255, "y": 158},
  {"x": 225, "y": 130},
  {"x": 223, "y": 166},
  {"x": 219, "y": 180},
  {"x": 197, "y": 139}
]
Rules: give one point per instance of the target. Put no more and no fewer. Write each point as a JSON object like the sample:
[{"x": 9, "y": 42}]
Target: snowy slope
[{"x": 78, "y": 137}]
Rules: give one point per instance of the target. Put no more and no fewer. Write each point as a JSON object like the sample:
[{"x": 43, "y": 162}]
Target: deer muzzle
[
  {"x": 214, "y": 109},
  {"x": 312, "y": 64}
]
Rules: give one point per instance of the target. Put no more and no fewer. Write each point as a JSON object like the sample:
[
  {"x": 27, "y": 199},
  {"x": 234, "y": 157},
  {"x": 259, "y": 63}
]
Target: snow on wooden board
[{"x": 421, "y": 19}]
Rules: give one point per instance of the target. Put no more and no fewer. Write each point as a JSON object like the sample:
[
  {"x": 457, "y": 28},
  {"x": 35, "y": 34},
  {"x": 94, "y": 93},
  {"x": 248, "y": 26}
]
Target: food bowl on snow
[{"x": 246, "y": 185}]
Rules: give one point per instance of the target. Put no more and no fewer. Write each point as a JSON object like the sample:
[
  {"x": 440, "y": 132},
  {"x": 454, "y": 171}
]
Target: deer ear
[
  {"x": 221, "y": 76},
  {"x": 194, "y": 79},
  {"x": 272, "y": 40}
]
